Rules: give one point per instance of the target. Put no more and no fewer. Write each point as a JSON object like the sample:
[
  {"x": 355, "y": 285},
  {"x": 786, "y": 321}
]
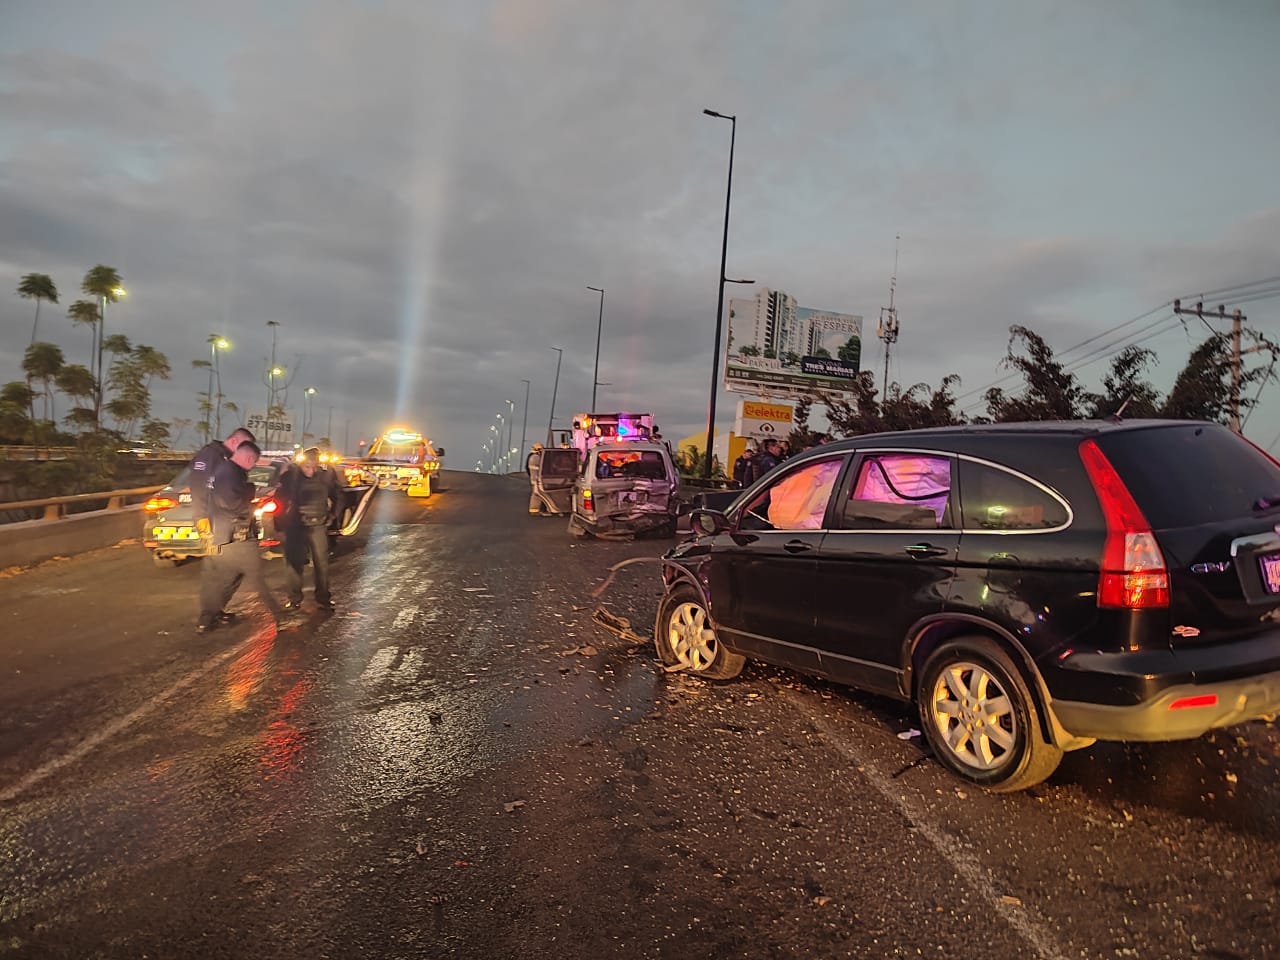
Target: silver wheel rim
[
  {"x": 690, "y": 638},
  {"x": 974, "y": 716}
]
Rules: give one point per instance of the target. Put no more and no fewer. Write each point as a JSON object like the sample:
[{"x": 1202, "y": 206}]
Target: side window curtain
[{"x": 899, "y": 491}]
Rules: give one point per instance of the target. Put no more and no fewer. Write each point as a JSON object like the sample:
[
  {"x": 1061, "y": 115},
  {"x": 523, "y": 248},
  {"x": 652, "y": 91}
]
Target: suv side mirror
[
  {"x": 439, "y": 451},
  {"x": 708, "y": 522}
]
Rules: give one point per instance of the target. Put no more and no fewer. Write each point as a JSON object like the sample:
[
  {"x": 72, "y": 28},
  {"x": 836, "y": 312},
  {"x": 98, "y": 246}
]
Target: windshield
[
  {"x": 398, "y": 452},
  {"x": 1160, "y": 466},
  {"x": 630, "y": 464}
]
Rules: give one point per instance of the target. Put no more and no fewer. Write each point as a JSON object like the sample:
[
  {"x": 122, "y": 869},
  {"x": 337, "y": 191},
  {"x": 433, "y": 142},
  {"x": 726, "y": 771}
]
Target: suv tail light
[
  {"x": 1133, "y": 575},
  {"x": 159, "y": 504},
  {"x": 588, "y": 502},
  {"x": 267, "y": 506}
]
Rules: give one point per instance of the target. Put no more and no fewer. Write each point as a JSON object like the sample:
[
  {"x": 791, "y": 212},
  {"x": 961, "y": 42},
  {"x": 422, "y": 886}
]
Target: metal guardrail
[
  {"x": 55, "y": 508},
  {"x": 27, "y": 453}
]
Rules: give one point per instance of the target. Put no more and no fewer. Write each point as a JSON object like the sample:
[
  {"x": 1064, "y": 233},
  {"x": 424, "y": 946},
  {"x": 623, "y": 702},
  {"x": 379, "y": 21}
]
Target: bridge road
[{"x": 460, "y": 764}]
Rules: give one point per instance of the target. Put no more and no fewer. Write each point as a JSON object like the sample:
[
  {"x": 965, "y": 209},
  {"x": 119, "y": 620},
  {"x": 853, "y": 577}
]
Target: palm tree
[
  {"x": 85, "y": 312},
  {"x": 104, "y": 284},
  {"x": 37, "y": 287},
  {"x": 77, "y": 383},
  {"x": 42, "y": 362}
]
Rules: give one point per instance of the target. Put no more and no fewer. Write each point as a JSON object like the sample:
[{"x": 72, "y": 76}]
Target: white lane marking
[
  {"x": 965, "y": 864},
  {"x": 411, "y": 666},
  {"x": 121, "y": 724},
  {"x": 404, "y": 618},
  {"x": 379, "y": 666}
]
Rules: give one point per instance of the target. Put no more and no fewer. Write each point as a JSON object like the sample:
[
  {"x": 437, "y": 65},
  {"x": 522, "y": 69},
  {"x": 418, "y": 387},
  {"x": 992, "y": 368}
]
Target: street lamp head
[
  {"x": 716, "y": 113},
  {"x": 119, "y": 292},
  {"x": 222, "y": 343},
  {"x": 728, "y": 280},
  {"x": 310, "y": 391},
  {"x": 277, "y": 371},
  {"x": 596, "y": 289}
]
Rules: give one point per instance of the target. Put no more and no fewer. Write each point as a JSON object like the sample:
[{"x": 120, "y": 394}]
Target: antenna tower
[{"x": 887, "y": 330}]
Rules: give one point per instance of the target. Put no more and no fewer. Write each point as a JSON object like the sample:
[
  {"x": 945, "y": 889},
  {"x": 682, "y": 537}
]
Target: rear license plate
[{"x": 1270, "y": 564}]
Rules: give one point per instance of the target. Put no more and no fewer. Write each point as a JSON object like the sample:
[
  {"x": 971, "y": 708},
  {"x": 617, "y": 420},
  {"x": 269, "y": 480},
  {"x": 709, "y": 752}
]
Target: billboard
[{"x": 776, "y": 347}]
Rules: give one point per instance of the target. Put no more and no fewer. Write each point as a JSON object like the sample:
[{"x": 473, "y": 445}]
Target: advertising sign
[
  {"x": 776, "y": 347},
  {"x": 764, "y": 420},
  {"x": 260, "y": 426}
]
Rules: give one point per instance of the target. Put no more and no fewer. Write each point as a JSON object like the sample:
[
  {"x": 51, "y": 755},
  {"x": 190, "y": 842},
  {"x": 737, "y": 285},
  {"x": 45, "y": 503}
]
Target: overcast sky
[{"x": 420, "y": 192}]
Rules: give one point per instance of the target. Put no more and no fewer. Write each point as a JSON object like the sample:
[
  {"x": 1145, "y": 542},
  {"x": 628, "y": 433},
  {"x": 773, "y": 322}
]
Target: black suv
[{"x": 1032, "y": 587}]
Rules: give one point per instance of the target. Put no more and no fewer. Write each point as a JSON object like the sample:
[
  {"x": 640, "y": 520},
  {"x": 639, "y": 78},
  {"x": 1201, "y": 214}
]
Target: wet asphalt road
[{"x": 460, "y": 763}]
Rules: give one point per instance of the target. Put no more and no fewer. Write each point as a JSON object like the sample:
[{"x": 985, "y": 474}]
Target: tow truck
[{"x": 401, "y": 459}]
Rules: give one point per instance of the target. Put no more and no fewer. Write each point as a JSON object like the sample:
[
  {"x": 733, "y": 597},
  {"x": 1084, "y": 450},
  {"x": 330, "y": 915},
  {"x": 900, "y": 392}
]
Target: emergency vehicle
[
  {"x": 590, "y": 428},
  {"x": 615, "y": 479},
  {"x": 403, "y": 460}
]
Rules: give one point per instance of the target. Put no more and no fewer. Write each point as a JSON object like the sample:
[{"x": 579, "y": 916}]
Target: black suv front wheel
[
  {"x": 980, "y": 717},
  {"x": 686, "y": 640}
]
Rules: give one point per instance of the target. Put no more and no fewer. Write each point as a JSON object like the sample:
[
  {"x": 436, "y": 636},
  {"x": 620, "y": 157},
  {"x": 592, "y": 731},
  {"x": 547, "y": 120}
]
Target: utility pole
[
  {"x": 1237, "y": 323},
  {"x": 888, "y": 327}
]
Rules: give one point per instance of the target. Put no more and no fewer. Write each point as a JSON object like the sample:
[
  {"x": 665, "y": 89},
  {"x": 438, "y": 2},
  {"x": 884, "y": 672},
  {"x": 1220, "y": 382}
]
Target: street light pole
[
  {"x": 524, "y": 430},
  {"x": 724, "y": 254},
  {"x": 595, "y": 377},
  {"x": 307, "y": 404},
  {"x": 552, "y": 419},
  {"x": 511, "y": 425}
]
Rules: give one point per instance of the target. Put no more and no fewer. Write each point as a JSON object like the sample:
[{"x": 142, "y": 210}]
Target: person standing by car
[
  {"x": 740, "y": 466},
  {"x": 235, "y": 556},
  {"x": 202, "y": 466},
  {"x": 311, "y": 498},
  {"x": 765, "y": 460},
  {"x": 533, "y": 466}
]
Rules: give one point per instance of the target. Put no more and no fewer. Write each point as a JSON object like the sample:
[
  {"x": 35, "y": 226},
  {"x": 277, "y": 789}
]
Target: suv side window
[
  {"x": 899, "y": 491},
  {"x": 797, "y": 501},
  {"x": 995, "y": 499}
]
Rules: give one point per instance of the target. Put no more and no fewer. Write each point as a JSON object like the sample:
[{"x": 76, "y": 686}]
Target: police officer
[
  {"x": 235, "y": 556},
  {"x": 312, "y": 498},
  {"x": 202, "y": 466},
  {"x": 765, "y": 460}
]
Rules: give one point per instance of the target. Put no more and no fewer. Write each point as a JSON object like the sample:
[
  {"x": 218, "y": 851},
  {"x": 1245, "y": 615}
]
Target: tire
[
  {"x": 980, "y": 718},
  {"x": 166, "y": 563},
  {"x": 685, "y": 639}
]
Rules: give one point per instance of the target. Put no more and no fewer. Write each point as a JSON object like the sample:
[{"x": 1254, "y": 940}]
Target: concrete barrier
[{"x": 32, "y": 541}]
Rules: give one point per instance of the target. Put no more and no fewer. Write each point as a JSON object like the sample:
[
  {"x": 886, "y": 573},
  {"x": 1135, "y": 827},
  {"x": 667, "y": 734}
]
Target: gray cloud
[{"x": 419, "y": 195}]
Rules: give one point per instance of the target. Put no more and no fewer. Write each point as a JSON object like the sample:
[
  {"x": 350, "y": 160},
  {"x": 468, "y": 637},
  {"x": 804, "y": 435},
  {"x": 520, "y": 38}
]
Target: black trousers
[
  {"x": 236, "y": 564},
  {"x": 301, "y": 542}
]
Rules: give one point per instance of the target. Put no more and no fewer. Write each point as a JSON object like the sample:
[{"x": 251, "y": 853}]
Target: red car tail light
[
  {"x": 159, "y": 504},
  {"x": 266, "y": 506},
  {"x": 588, "y": 503},
  {"x": 1134, "y": 575}
]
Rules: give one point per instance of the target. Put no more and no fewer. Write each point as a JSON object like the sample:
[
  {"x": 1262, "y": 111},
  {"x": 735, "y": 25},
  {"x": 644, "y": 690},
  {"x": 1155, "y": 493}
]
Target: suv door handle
[
  {"x": 922, "y": 550},
  {"x": 797, "y": 546}
]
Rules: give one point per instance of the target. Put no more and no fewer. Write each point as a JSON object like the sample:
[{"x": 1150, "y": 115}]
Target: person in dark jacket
[
  {"x": 765, "y": 460},
  {"x": 202, "y": 465},
  {"x": 235, "y": 556},
  {"x": 740, "y": 467},
  {"x": 311, "y": 498}
]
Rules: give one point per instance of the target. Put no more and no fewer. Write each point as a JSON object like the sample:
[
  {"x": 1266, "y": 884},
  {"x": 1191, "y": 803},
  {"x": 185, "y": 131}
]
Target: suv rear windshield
[
  {"x": 1187, "y": 475},
  {"x": 631, "y": 464}
]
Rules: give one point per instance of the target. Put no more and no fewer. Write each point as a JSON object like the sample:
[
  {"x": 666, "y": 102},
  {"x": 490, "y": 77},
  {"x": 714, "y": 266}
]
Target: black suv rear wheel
[
  {"x": 981, "y": 719},
  {"x": 686, "y": 640}
]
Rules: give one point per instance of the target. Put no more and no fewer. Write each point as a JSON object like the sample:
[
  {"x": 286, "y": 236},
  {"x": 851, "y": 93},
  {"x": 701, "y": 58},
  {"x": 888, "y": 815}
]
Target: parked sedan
[
  {"x": 1031, "y": 588},
  {"x": 168, "y": 528}
]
